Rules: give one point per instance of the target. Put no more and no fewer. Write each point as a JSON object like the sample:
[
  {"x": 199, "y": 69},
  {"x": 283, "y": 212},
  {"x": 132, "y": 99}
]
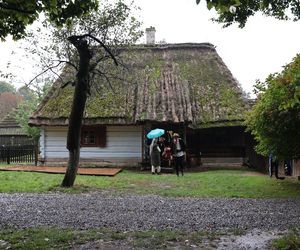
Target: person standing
[
  {"x": 271, "y": 165},
  {"x": 274, "y": 167},
  {"x": 155, "y": 156},
  {"x": 178, "y": 150}
]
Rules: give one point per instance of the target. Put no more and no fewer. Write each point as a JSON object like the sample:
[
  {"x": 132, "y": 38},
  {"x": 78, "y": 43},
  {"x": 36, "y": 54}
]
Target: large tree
[
  {"x": 275, "y": 118},
  {"x": 96, "y": 40},
  {"x": 15, "y": 16},
  {"x": 238, "y": 11}
]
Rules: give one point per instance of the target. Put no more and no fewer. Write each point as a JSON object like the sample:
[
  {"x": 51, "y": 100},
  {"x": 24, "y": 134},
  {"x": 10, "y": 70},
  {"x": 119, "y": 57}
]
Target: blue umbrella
[{"x": 155, "y": 133}]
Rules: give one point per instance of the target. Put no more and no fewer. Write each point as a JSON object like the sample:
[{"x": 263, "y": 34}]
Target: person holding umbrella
[
  {"x": 155, "y": 156},
  {"x": 155, "y": 150}
]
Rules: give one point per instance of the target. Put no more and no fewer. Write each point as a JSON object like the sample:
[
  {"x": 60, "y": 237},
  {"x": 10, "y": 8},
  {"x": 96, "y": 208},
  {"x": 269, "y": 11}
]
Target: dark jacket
[{"x": 182, "y": 145}]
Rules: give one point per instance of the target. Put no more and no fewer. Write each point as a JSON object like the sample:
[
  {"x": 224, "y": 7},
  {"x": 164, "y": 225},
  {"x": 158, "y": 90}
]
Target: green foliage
[
  {"x": 26, "y": 93},
  {"x": 24, "y": 111},
  {"x": 238, "y": 11},
  {"x": 6, "y": 87},
  {"x": 15, "y": 16},
  {"x": 27, "y": 107},
  {"x": 275, "y": 118}
]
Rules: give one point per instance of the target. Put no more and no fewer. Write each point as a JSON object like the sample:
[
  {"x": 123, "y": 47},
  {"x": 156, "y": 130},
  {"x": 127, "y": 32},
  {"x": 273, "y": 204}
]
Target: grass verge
[
  {"x": 291, "y": 241},
  {"x": 53, "y": 238},
  {"x": 42, "y": 238},
  {"x": 217, "y": 183}
]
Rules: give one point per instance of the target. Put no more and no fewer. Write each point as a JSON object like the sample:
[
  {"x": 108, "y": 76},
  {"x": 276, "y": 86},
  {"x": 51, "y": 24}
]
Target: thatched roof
[
  {"x": 10, "y": 126},
  {"x": 179, "y": 83}
]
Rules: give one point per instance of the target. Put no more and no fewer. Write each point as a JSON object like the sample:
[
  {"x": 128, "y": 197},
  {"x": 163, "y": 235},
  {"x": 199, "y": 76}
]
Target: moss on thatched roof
[{"x": 179, "y": 83}]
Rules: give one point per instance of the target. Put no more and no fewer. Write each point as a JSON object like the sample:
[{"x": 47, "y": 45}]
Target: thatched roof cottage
[
  {"x": 185, "y": 88},
  {"x": 11, "y": 132}
]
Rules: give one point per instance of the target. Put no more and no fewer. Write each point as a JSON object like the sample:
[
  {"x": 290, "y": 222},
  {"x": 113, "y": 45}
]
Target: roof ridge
[{"x": 163, "y": 46}]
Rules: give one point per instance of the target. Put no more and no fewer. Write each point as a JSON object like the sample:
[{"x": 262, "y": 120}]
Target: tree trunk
[{"x": 77, "y": 111}]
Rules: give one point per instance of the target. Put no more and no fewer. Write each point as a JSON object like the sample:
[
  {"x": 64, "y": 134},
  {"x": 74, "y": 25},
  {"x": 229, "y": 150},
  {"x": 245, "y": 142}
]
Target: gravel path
[{"x": 133, "y": 212}]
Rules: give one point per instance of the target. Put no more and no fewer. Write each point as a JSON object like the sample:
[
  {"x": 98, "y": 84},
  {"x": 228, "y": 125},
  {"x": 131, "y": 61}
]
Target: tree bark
[{"x": 77, "y": 111}]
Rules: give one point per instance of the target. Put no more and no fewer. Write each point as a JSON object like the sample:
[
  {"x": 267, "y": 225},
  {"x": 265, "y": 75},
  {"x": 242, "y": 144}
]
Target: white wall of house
[{"x": 123, "y": 146}]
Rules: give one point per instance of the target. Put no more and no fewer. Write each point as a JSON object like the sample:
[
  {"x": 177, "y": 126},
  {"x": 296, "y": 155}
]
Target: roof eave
[
  {"x": 219, "y": 124},
  {"x": 63, "y": 121}
]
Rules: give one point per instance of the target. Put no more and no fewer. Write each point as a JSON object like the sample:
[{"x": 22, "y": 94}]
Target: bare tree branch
[
  {"x": 98, "y": 41},
  {"x": 94, "y": 65},
  {"x": 113, "y": 76},
  {"x": 106, "y": 78},
  {"x": 67, "y": 62},
  {"x": 66, "y": 84},
  {"x": 106, "y": 48},
  {"x": 49, "y": 68}
]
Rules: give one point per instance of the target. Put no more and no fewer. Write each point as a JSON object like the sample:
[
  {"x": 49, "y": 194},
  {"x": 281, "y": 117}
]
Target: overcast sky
[{"x": 251, "y": 53}]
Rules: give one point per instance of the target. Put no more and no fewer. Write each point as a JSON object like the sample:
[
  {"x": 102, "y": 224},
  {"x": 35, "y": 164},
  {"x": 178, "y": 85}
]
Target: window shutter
[{"x": 101, "y": 136}]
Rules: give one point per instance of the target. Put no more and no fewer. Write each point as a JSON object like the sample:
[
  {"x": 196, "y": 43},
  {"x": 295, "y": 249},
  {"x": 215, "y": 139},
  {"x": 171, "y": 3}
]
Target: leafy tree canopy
[
  {"x": 6, "y": 87},
  {"x": 16, "y": 15},
  {"x": 24, "y": 111},
  {"x": 26, "y": 93},
  {"x": 238, "y": 11},
  {"x": 275, "y": 118}
]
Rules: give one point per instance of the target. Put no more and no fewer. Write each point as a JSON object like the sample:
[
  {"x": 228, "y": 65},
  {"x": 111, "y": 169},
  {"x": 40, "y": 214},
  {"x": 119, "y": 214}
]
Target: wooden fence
[{"x": 18, "y": 154}]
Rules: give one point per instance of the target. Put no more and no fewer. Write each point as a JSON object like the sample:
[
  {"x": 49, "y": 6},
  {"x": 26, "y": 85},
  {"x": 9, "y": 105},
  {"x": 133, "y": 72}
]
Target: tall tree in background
[
  {"x": 8, "y": 102},
  {"x": 9, "y": 99},
  {"x": 275, "y": 118},
  {"x": 31, "y": 99},
  {"x": 27, "y": 93},
  {"x": 86, "y": 48},
  {"x": 7, "y": 87},
  {"x": 15, "y": 16},
  {"x": 238, "y": 11}
]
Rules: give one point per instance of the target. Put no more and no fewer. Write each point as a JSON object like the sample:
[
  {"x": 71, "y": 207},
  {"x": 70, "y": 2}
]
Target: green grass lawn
[
  {"x": 214, "y": 183},
  {"x": 53, "y": 238}
]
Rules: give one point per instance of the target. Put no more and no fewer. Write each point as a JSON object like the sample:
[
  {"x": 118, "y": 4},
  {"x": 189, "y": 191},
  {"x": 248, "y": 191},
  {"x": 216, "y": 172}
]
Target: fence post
[
  {"x": 8, "y": 154},
  {"x": 35, "y": 154}
]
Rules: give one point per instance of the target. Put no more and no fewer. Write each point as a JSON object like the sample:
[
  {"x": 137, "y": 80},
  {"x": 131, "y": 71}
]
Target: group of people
[{"x": 167, "y": 147}]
